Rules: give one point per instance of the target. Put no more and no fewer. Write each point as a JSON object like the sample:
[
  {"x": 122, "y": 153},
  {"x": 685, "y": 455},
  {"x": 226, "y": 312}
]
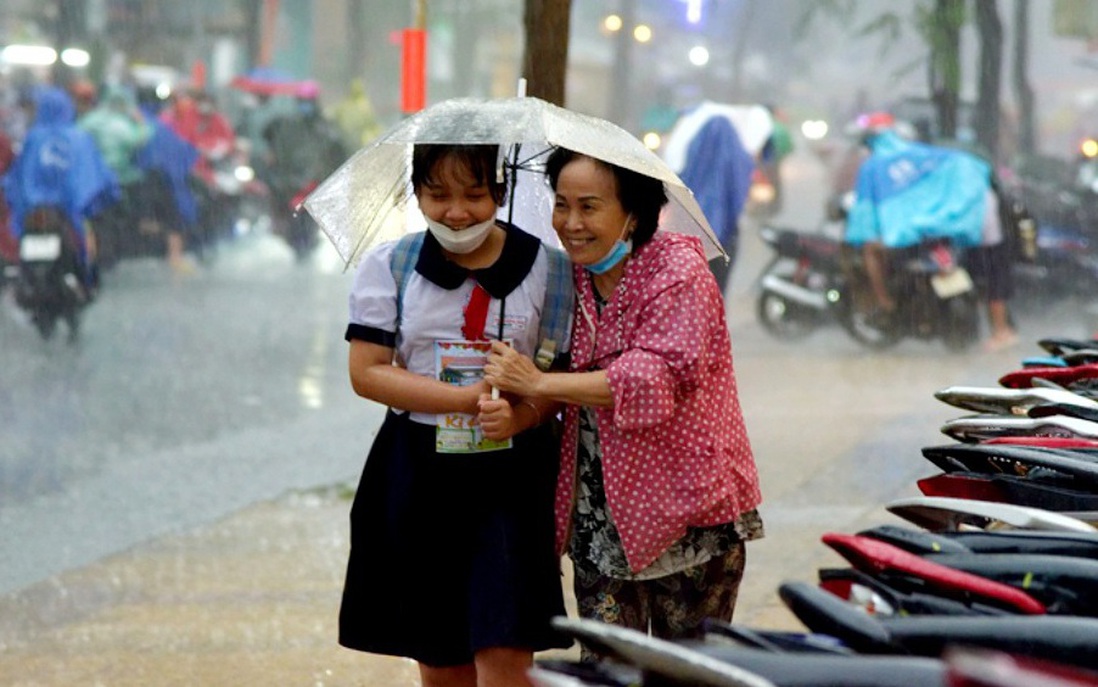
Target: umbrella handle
[{"x": 495, "y": 393}]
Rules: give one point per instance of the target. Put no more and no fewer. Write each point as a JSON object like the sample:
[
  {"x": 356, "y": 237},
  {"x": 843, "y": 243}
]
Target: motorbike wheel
[
  {"x": 783, "y": 319},
  {"x": 960, "y": 323},
  {"x": 863, "y": 327},
  {"x": 45, "y": 323}
]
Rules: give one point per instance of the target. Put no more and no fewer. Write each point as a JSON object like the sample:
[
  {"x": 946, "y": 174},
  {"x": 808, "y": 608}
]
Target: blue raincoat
[
  {"x": 908, "y": 191},
  {"x": 718, "y": 170},
  {"x": 169, "y": 153},
  {"x": 58, "y": 165}
]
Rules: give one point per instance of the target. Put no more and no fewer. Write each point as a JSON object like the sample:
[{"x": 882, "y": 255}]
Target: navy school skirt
[{"x": 451, "y": 554}]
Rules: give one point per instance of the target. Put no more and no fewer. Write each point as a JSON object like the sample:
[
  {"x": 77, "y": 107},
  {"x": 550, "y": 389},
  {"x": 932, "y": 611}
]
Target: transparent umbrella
[{"x": 366, "y": 200}]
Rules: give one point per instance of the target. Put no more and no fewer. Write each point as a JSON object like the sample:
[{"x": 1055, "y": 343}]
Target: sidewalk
[{"x": 249, "y": 600}]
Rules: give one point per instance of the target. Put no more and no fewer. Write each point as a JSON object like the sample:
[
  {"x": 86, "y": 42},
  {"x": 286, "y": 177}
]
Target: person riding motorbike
[
  {"x": 195, "y": 118},
  {"x": 304, "y": 148},
  {"x": 59, "y": 165},
  {"x": 119, "y": 130},
  {"x": 907, "y": 192}
]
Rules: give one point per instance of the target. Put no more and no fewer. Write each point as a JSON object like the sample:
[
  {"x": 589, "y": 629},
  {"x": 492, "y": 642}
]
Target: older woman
[{"x": 658, "y": 487}]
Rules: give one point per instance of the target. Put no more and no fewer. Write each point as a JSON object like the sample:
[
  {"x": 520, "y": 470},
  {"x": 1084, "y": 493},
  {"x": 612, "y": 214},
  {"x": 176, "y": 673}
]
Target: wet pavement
[{"x": 251, "y": 597}]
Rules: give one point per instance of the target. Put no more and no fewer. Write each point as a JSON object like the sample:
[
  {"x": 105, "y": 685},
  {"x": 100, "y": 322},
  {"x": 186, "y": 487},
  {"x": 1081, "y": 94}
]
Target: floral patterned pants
[{"x": 672, "y": 607}]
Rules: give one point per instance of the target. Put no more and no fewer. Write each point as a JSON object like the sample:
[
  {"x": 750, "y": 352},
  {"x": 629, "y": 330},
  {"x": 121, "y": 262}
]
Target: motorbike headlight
[{"x": 244, "y": 173}]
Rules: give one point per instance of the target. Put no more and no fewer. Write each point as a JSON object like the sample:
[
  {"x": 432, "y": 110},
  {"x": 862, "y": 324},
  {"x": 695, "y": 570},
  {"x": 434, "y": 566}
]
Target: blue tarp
[
  {"x": 908, "y": 191},
  {"x": 718, "y": 170}
]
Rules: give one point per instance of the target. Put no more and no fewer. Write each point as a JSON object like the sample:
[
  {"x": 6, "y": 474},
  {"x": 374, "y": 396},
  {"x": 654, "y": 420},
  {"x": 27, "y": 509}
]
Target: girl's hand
[
  {"x": 508, "y": 370},
  {"x": 497, "y": 418}
]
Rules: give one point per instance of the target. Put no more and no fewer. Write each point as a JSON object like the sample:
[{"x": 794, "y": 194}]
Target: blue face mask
[{"x": 621, "y": 248}]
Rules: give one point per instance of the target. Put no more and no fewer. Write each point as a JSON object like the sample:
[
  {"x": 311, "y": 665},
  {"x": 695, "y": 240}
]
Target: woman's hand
[{"x": 508, "y": 370}]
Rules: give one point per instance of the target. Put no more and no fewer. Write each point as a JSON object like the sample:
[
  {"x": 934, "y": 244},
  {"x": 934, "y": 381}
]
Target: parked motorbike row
[{"x": 991, "y": 581}]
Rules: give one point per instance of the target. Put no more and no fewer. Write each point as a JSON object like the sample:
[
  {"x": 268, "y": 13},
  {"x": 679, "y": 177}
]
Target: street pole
[{"x": 413, "y": 81}]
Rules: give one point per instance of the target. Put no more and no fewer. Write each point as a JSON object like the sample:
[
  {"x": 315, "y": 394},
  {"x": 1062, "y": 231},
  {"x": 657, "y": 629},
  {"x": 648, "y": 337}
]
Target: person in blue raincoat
[
  {"x": 907, "y": 192},
  {"x": 59, "y": 165},
  {"x": 718, "y": 171},
  {"x": 168, "y": 160}
]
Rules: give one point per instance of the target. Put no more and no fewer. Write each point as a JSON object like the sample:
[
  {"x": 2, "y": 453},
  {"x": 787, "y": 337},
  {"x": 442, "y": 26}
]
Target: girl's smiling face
[
  {"x": 587, "y": 214},
  {"x": 451, "y": 195}
]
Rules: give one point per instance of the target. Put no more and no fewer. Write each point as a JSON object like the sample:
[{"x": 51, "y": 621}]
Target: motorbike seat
[
  {"x": 1062, "y": 345},
  {"x": 1020, "y": 461},
  {"x": 1009, "y": 401},
  {"x": 822, "y": 670},
  {"x": 1067, "y": 639},
  {"x": 1065, "y": 585},
  {"x": 975, "y": 428},
  {"x": 937, "y": 513},
  {"x": 876, "y": 557},
  {"x": 1064, "y": 376}
]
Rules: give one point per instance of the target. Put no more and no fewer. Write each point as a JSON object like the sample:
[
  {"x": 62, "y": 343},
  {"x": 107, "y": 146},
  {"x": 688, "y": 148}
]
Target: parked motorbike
[
  {"x": 48, "y": 284},
  {"x": 935, "y": 298},
  {"x": 802, "y": 283}
]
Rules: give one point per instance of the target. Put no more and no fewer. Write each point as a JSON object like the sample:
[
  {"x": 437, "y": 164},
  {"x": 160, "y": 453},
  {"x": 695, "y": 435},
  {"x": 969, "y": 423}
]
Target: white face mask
[{"x": 460, "y": 241}]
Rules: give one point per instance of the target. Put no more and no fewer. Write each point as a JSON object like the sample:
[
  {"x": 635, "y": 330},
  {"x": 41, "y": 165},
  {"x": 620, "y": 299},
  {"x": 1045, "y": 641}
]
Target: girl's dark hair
[
  {"x": 639, "y": 194},
  {"x": 480, "y": 160}
]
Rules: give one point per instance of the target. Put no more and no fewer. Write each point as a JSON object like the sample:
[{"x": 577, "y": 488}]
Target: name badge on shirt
[{"x": 461, "y": 363}]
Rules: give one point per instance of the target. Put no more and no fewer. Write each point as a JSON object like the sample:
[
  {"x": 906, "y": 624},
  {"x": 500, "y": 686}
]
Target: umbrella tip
[{"x": 521, "y": 87}]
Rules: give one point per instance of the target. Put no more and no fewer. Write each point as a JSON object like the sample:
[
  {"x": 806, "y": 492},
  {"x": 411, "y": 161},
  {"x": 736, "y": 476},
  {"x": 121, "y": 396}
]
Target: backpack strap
[
  {"x": 556, "y": 311},
  {"x": 402, "y": 262}
]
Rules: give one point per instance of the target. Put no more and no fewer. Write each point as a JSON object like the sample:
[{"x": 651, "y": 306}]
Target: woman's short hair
[
  {"x": 639, "y": 194},
  {"x": 479, "y": 160}
]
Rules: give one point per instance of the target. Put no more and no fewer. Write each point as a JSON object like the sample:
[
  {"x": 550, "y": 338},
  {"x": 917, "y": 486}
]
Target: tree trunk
[
  {"x": 990, "y": 29},
  {"x": 945, "y": 63},
  {"x": 546, "y": 54},
  {"x": 1023, "y": 92}
]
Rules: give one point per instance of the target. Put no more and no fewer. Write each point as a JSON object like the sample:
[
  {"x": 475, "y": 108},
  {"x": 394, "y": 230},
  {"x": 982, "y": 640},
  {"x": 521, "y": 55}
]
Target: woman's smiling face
[{"x": 587, "y": 214}]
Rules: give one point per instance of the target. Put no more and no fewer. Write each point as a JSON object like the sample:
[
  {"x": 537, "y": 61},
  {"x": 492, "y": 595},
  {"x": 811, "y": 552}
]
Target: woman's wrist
[{"x": 527, "y": 403}]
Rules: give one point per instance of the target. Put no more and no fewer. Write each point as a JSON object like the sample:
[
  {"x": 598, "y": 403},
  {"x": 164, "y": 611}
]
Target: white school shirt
[{"x": 432, "y": 313}]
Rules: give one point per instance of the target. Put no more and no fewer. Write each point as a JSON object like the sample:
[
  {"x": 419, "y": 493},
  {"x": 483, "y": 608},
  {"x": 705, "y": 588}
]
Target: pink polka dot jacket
[{"x": 675, "y": 449}]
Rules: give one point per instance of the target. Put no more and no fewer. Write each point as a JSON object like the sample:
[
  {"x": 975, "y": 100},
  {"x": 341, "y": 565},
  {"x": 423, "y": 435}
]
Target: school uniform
[{"x": 451, "y": 553}]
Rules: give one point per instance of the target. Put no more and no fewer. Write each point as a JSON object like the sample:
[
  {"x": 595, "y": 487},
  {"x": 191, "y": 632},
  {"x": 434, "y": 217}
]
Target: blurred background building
[{"x": 636, "y": 62}]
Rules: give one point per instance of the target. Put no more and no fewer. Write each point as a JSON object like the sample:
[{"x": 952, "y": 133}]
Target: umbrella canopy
[
  {"x": 753, "y": 125},
  {"x": 267, "y": 81},
  {"x": 366, "y": 201}
]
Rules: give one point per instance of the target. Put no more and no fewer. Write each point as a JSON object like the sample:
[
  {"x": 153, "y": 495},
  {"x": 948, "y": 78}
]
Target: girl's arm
[{"x": 374, "y": 376}]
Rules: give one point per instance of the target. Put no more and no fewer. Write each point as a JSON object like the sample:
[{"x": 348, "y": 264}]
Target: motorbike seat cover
[
  {"x": 1065, "y": 409},
  {"x": 1016, "y": 461},
  {"x": 822, "y": 670},
  {"x": 974, "y": 428},
  {"x": 970, "y": 485},
  {"x": 1044, "y": 442},
  {"x": 1068, "y": 639},
  {"x": 915, "y": 541},
  {"x": 658, "y": 656},
  {"x": 1063, "y": 376},
  {"x": 937, "y": 513},
  {"x": 1044, "y": 361},
  {"x": 1009, "y": 401},
  {"x": 876, "y": 557},
  {"x": 1061, "y": 345},
  {"x": 1079, "y": 544},
  {"x": 778, "y": 641},
  {"x": 821, "y": 611},
  {"x": 1064, "y": 584}
]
